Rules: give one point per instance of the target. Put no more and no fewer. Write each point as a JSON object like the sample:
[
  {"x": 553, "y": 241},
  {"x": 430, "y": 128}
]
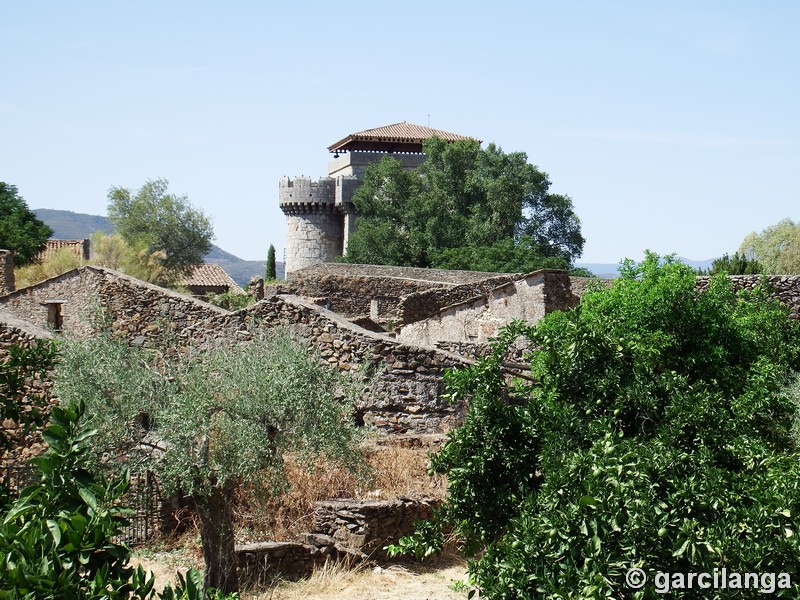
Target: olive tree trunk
[{"x": 215, "y": 511}]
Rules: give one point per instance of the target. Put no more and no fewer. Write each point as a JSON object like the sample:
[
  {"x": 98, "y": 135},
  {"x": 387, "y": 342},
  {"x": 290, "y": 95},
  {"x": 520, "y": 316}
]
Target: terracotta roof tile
[
  {"x": 210, "y": 275},
  {"x": 404, "y": 132}
]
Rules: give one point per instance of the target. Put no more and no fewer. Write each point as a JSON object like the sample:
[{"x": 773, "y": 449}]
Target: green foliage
[
  {"x": 56, "y": 539},
  {"x": 18, "y": 366},
  {"x": 272, "y": 269},
  {"x": 190, "y": 587},
  {"x": 777, "y": 248},
  {"x": 230, "y": 300},
  {"x": 464, "y": 208},
  {"x": 153, "y": 221},
  {"x": 656, "y": 435},
  {"x": 20, "y": 230},
  {"x": 738, "y": 264},
  {"x": 505, "y": 256},
  {"x": 213, "y": 419}
]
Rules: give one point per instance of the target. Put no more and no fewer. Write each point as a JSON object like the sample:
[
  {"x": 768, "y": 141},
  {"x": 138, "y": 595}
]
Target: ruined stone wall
[
  {"x": 440, "y": 276},
  {"x": 6, "y": 272},
  {"x": 355, "y": 296},
  {"x": 76, "y": 288},
  {"x": 479, "y": 319},
  {"x": 345, "y": 529},
  {"x": 407, "y": 380},
  {"x": 147, "y": 315},
  {"x": 390, "y": 295},
  {"x": 366, "y": 526},
  {"x": 406, "y": 384},
  {"x": 36, "y": 390},
  {"x": 424, "y": 304}
]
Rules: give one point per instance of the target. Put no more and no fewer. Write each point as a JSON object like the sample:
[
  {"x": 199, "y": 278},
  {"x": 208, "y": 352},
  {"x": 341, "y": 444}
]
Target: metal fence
[{"x": 143, "y": 497}]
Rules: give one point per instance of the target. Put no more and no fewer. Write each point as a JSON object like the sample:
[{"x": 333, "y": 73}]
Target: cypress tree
[{"x": 272, "y": 272}]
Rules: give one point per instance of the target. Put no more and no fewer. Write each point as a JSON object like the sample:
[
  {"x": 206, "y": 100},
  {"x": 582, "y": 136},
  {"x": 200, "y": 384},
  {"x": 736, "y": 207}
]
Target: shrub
[{"x": 655, "y": 436}]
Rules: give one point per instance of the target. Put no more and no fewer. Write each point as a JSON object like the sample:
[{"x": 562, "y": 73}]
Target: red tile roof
[
  {"x": 211, "y": 275},
  {"x": 399, "y": 133}
]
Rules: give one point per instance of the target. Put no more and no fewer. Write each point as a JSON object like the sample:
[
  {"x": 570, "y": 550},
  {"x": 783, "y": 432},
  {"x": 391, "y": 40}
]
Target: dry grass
[
  {"x": 397, "y": 467},
  {"x": 394, "y": 470},
  {"x": 397, "y": 582}
]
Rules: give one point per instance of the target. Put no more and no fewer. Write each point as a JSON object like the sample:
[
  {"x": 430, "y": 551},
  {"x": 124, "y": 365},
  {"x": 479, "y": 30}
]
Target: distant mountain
[
  {"x": 68, "y": 225},
  {"x": 611, "y": 270}
]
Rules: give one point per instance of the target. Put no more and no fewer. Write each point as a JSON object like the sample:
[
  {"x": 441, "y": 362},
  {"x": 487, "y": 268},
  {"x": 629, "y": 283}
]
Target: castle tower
[{"x": 319, "y": 214}]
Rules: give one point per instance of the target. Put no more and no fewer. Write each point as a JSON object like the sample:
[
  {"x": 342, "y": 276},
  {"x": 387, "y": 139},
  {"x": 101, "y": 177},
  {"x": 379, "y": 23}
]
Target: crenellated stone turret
[{"x": 319, "y": 214}]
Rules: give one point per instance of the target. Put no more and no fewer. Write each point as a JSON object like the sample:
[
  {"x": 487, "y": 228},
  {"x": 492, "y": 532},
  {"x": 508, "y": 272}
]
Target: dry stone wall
[
  {"x": 785, "y": 288},
  {"x": 392, "y": 296},
  {"x": 367, "y": 526},
  {"x": 36, "y": 390},
  {"x": 406, "y": 380},
  {"x": 73, "y": 290},
  {"x": 346, "y": 530},
  {"x": 479, "y": 319},
  {"x": 6, "y": 272}
]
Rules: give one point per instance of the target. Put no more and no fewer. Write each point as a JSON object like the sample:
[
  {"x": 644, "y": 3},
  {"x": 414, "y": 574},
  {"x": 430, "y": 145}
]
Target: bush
[
  {"x": 57, "y": 539},
  {"x": 655, "y": 436}
]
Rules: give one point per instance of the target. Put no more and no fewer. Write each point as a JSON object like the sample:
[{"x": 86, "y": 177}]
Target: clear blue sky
[{"x": 673, "y": 126}]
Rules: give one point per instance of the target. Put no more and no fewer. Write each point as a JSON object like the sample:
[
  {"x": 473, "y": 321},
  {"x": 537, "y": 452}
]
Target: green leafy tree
[
  {"x": 651, "y": 433},
  {"x": 463, "y": 205},
  {"x": 272, "y": 268},
  {"x": 56, "y": 539},
  {"x": 214, "y": 420},
  {"x": 777, "y": 248},
  {"x": 738, "y": 264},
  {"x": 789, "y": 260},
  {"x": 20, "y": 229},
  {"x": 154, "y": 221}
]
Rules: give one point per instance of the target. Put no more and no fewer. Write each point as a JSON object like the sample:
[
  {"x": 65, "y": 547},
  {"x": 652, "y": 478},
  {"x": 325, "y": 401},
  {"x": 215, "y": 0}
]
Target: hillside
[{"x": 68, "y": 225}]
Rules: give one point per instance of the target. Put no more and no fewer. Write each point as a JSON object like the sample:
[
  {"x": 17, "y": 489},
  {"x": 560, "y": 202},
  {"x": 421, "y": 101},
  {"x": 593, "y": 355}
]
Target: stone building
[
  {"x": 209, "y": 279},
  {"x": 319, "y": 214}
]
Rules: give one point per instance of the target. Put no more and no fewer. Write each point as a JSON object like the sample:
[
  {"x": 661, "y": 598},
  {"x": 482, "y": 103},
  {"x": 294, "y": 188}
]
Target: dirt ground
[{"x": 397, "y": 582}]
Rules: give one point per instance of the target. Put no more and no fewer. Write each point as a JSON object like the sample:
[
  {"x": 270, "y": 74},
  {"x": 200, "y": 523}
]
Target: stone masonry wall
[
  {"x": 313, "y": 237},
  {"x": 366, "y": 526},
  {"x": 407, "y": 384},
  {"x": 353, "y": 296},
  {"x": 36, "y": 390},
  {"x": 6, "y": 272},
  {"x": 477, "y": 320},
  {"x": 407, "y": 381},
  {"x": 345, "y": 529},
  {"x": 76, "y": 288},
  {"x": 424, "y": 304},
  {"x": 390, "y": 295}
]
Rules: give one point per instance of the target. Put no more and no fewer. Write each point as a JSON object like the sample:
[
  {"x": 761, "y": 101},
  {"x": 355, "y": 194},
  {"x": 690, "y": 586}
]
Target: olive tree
[{"x": 207, "y": 421}]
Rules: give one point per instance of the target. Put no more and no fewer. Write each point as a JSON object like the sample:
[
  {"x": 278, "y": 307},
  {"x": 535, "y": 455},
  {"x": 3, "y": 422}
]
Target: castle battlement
[
  {"x": 302, "y": 191},
  {"x": 320, "y": 216}
]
